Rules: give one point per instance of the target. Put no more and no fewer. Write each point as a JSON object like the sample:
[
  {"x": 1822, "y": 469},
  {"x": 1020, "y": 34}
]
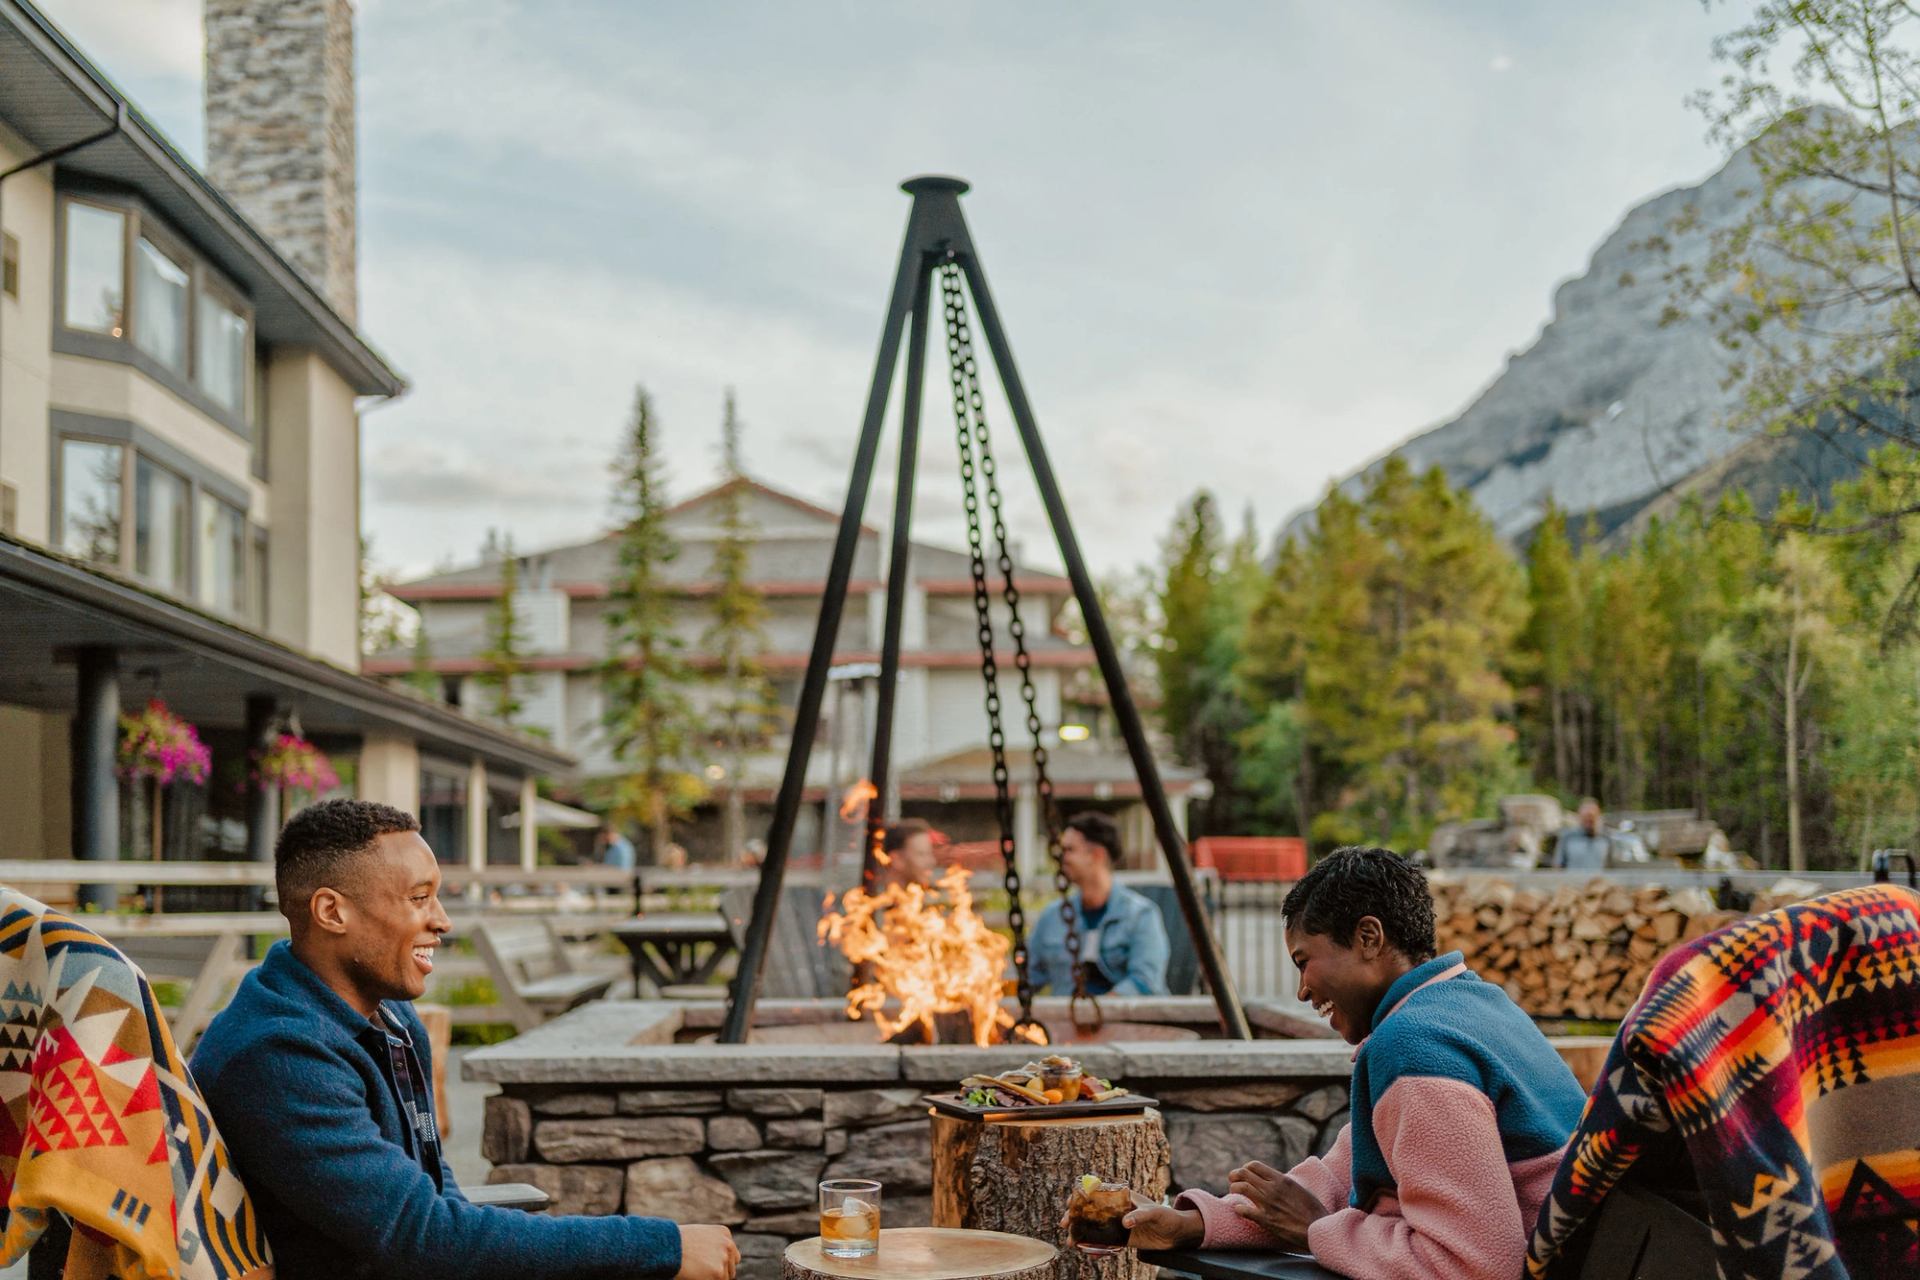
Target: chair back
[
  {"x": 1183, "y": 960},
  {"x": 1642, "y": 1236},
  {"x": 798, "y": 965},
  {"x": 524, "y": 950}
]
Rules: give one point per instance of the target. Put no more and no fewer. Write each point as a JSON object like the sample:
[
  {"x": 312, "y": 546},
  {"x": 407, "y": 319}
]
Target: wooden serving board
[{"x": 954, "y": 1104}]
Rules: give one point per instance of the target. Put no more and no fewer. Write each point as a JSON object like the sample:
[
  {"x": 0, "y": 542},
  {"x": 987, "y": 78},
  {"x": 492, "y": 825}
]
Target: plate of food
[{"x": 1053, "y": 1086}]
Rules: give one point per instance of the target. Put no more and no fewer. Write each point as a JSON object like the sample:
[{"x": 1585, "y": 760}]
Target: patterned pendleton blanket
[
  {"x": 1776, "y": 1064},
  {"x": 102, "y": 1121}
]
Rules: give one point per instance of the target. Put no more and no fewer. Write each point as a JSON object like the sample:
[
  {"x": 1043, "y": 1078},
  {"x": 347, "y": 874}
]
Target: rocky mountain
[{"x": 1609, "y": 411}]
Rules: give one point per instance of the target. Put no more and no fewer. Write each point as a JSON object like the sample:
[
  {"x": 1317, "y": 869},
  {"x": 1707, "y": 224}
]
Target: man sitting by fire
[
  {"x": 1123, "y": 940},
  {"x": 1460, "y": 1107},
  {"x": 318, "y": 1075},
  {"x": 907, "y": 855}
]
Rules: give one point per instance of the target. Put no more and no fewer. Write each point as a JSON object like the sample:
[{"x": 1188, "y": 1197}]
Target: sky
[{"x": 1237, "y": 246}]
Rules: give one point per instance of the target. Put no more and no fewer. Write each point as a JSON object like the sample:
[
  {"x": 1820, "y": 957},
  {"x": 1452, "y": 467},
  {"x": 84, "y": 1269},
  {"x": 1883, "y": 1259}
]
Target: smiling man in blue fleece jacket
[{"x": 318, "y": 1075}]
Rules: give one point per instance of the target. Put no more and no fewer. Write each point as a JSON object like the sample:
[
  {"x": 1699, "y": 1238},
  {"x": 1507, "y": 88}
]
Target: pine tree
[
  {"x": 744, "y": 715},
  {"x": 1553, "y": 641},
  {"x": 1188, "y": 619},
  {"x": 649, "y": 719},
  {"x": 421, "y": 677},
  {"x": 1204, "y": 600},
  {"x": 381, "y": 616},
  {"x": 1406, "y": 608},
  {"x": 505, "y": 654}
]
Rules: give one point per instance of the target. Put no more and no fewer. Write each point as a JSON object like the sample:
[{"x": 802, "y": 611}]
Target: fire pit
[
  {"x": 1059, "y": 1033},
  {"x": 628, "y": 1106}
]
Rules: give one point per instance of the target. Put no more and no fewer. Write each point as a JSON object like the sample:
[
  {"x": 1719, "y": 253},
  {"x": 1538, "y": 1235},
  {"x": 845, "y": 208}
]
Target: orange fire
[
  {"x": 928, "y": 950},
  {"x": 858, "y": 797}
]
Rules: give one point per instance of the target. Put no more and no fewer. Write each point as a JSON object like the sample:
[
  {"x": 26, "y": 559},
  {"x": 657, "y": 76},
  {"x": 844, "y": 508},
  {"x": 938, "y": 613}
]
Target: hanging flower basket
[
  {"x": 159, "y": 746},
  {"x": 294, "y": 764}
]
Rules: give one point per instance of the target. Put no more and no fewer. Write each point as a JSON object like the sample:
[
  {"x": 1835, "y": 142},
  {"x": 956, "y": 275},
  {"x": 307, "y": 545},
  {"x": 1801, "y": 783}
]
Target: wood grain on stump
[
  {"x": 926, "y": 1253},
  {"x": 1015, "y": 1176}
]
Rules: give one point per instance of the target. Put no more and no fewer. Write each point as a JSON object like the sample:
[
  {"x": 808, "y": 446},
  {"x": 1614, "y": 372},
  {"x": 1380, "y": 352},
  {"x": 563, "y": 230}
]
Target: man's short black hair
[
  {"x": 898, "y": 833},
  {"x": 1357, "y": 881},
  {"x": 318, "y": 844},
  {"x": 1099, "y": 829}
]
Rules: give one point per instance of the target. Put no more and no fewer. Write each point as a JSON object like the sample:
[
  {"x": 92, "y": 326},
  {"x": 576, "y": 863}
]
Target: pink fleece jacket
[
  {"x": 1458, "y": 1209},
  {"x": 1462, "y": 1213}
]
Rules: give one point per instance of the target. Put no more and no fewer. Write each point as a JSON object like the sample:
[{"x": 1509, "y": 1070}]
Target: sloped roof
[
  {"x": 53, "y": 96},
  {"x": 794, "y": 555}
]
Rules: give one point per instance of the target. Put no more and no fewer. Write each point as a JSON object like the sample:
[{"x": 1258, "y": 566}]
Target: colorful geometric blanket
[
  {"x": 101, "y": 1120},
  {"x": 1775, "y": 1064}
]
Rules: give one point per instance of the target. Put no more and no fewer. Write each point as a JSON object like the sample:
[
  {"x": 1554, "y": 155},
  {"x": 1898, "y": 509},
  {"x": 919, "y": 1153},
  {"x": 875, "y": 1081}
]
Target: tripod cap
[{"x": 934, "y": 183}]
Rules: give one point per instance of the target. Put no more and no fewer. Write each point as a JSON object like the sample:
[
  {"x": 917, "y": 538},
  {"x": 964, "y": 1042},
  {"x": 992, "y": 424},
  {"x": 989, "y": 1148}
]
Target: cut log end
[
  {"x": 1015, "y": 1176},
  {"x": 927, "y": 1253}
]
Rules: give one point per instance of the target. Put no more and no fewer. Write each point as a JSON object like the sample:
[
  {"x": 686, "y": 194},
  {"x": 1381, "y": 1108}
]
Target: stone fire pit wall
[{"x": 614, "y": 1108}]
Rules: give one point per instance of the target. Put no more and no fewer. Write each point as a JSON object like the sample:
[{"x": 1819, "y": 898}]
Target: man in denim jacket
[{"x": 1123, "y": 940}]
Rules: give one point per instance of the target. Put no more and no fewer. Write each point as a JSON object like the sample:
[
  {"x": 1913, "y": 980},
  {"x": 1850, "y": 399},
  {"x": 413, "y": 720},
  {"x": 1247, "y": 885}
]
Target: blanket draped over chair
[
  {"x": 1775, "y": 1064},
  {"x": 102, "y": 1121}
]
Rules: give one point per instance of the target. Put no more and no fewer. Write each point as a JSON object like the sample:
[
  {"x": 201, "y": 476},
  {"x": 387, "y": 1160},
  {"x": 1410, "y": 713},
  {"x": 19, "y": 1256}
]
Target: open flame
[
  {"x": 928, "y": 950},
  {"x": 858, "y": 797}
]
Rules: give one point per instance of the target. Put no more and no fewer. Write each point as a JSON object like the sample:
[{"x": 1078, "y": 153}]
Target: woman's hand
[
  {"x": 1276, "y": 1202},
  {"x": 1155, "y": 1226}
]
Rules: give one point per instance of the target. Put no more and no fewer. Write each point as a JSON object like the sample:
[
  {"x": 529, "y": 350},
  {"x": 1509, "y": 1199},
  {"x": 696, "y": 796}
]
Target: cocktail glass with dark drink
[{"x": 1095, "y": 1213}]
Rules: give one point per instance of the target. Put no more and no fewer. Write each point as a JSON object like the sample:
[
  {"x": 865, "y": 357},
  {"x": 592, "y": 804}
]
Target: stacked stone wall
[{"x": 752, "y": 1157}]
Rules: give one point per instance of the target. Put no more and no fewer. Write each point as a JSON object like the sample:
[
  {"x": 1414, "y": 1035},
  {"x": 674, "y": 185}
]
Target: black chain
[{"x": 971, "y": 430}]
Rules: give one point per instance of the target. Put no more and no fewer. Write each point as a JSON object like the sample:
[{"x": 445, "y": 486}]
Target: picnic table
[
  {"x": 926, "y": 1253},
  {"x": 675, "y": 950}
]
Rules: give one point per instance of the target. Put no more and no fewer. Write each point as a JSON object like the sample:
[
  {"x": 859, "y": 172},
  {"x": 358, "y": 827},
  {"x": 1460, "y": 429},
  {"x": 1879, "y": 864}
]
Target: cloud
[
  {"x": 1225, "y": 260},
  {"x": 135, "y": 38}
]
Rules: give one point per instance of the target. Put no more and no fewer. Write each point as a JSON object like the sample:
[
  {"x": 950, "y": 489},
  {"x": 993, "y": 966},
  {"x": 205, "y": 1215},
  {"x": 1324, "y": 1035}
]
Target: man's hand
[
  {"x": 707, "y": 1253},
  {"x": 1155, "y": 1226},
  {"x": 1278, "y": 1203}
]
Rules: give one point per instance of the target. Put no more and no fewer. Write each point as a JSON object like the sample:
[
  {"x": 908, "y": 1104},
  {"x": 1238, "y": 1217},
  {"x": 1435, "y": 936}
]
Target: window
[
  {"x": 221, "y": 339},
  {"x": 223, "y": 555},
  {"x": 443, "y": 810},
  {"x": 159, "y": 525},
  {"x": 160, "y": 306},
  {"x": 9, "y": 265},
  {"x": 257, "y": 582},
  {"x": 96, "y": 269},
  {"x": 90, "y": 474}
]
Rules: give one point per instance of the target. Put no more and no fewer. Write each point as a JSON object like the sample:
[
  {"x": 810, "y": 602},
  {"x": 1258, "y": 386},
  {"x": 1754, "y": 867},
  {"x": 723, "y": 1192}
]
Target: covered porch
[{"x": 78, "y": 647}]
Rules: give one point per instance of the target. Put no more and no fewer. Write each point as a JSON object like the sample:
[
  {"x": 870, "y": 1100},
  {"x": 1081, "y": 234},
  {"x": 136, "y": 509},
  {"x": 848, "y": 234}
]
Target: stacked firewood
[{"x": 1577, "y": 951}]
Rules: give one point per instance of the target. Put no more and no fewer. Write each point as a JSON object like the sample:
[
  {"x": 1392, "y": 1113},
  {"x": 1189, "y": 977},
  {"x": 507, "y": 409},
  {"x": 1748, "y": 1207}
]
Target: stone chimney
[{"x": 280, "y": 138}]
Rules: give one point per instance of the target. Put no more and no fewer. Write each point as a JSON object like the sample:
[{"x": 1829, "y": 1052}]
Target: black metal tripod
[{"x": 937, "y": 235}]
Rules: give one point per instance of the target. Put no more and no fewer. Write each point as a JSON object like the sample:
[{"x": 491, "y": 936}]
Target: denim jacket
[{"x": 1133, "y": 946}]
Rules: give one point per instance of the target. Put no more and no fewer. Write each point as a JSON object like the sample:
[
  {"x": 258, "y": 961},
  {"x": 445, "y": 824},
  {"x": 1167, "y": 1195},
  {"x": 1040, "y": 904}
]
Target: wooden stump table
[
  {"x": 1015, "y": 1176},
  {"x": 926, "y": 1253}
]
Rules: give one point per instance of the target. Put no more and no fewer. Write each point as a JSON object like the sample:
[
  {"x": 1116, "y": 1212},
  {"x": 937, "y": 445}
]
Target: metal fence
[{"x": 1246, "y": 920}]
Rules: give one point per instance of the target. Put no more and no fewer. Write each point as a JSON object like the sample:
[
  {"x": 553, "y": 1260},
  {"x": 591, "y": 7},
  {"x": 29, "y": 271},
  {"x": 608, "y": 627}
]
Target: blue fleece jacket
[
  {"x": 1466, "y": 1030},
  {"x": 303, "y": 1090}
]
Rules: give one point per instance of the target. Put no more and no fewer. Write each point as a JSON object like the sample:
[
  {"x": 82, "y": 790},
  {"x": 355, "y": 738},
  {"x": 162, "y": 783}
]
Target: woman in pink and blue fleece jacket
[{"x": 1460, "y": 1107}]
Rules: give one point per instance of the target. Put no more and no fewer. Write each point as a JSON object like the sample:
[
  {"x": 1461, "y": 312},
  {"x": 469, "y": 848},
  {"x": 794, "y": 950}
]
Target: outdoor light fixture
[{"x": 1075, "y": 733}]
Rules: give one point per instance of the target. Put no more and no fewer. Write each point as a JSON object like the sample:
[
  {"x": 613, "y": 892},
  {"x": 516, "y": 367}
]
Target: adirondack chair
[
  {"x": 532, "y": 972},
  {"x": 1183, "y": 961},
  {"x": 798, "y": 967}
]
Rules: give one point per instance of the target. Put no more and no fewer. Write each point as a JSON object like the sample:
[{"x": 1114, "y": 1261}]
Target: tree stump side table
[
  {"x": 1015, "y": 1176},
  {"x": 926, "y": 1253}
]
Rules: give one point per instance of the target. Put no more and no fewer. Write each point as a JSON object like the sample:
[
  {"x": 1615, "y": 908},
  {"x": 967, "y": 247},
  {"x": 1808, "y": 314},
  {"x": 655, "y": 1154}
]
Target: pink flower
[
  {"x": 296, "y": 764},
  {"x": 157, "y": 744}
]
